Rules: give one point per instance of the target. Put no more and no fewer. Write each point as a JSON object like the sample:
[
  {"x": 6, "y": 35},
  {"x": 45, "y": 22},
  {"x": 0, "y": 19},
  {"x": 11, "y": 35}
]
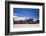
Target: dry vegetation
[{"x": 30, "y": 21}]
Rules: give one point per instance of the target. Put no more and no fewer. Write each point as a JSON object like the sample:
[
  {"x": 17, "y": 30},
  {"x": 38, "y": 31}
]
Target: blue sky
[{"x": 26, "y": 12}]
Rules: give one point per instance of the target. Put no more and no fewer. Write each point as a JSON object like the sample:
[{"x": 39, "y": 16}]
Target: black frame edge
[
  {"x": 7, "y": 18},
  {"x": 43, "y": 17},
  {"x": 7, "y": 29}
]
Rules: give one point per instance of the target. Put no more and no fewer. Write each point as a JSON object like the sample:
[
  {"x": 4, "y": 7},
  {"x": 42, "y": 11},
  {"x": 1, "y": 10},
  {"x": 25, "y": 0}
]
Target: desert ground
[{"x": 26, "y": 22}]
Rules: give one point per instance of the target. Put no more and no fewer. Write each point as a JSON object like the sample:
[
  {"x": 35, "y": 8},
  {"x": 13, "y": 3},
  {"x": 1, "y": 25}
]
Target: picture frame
[{"x": 8, "y": 9}]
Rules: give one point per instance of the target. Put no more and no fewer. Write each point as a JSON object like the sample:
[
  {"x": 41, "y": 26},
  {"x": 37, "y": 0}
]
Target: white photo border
[{"x": 25, "y": 6}]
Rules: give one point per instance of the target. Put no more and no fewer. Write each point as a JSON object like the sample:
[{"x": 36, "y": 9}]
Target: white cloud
[
  {"x": 16, "y": 18},
  {"x": 20, "y": 18},
  {"x": 35, "y": 19}
]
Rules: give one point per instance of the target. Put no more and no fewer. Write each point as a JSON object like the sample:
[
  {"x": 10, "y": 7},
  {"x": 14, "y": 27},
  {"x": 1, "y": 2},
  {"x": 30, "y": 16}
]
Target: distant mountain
[{"x": 17, "y": 18}]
